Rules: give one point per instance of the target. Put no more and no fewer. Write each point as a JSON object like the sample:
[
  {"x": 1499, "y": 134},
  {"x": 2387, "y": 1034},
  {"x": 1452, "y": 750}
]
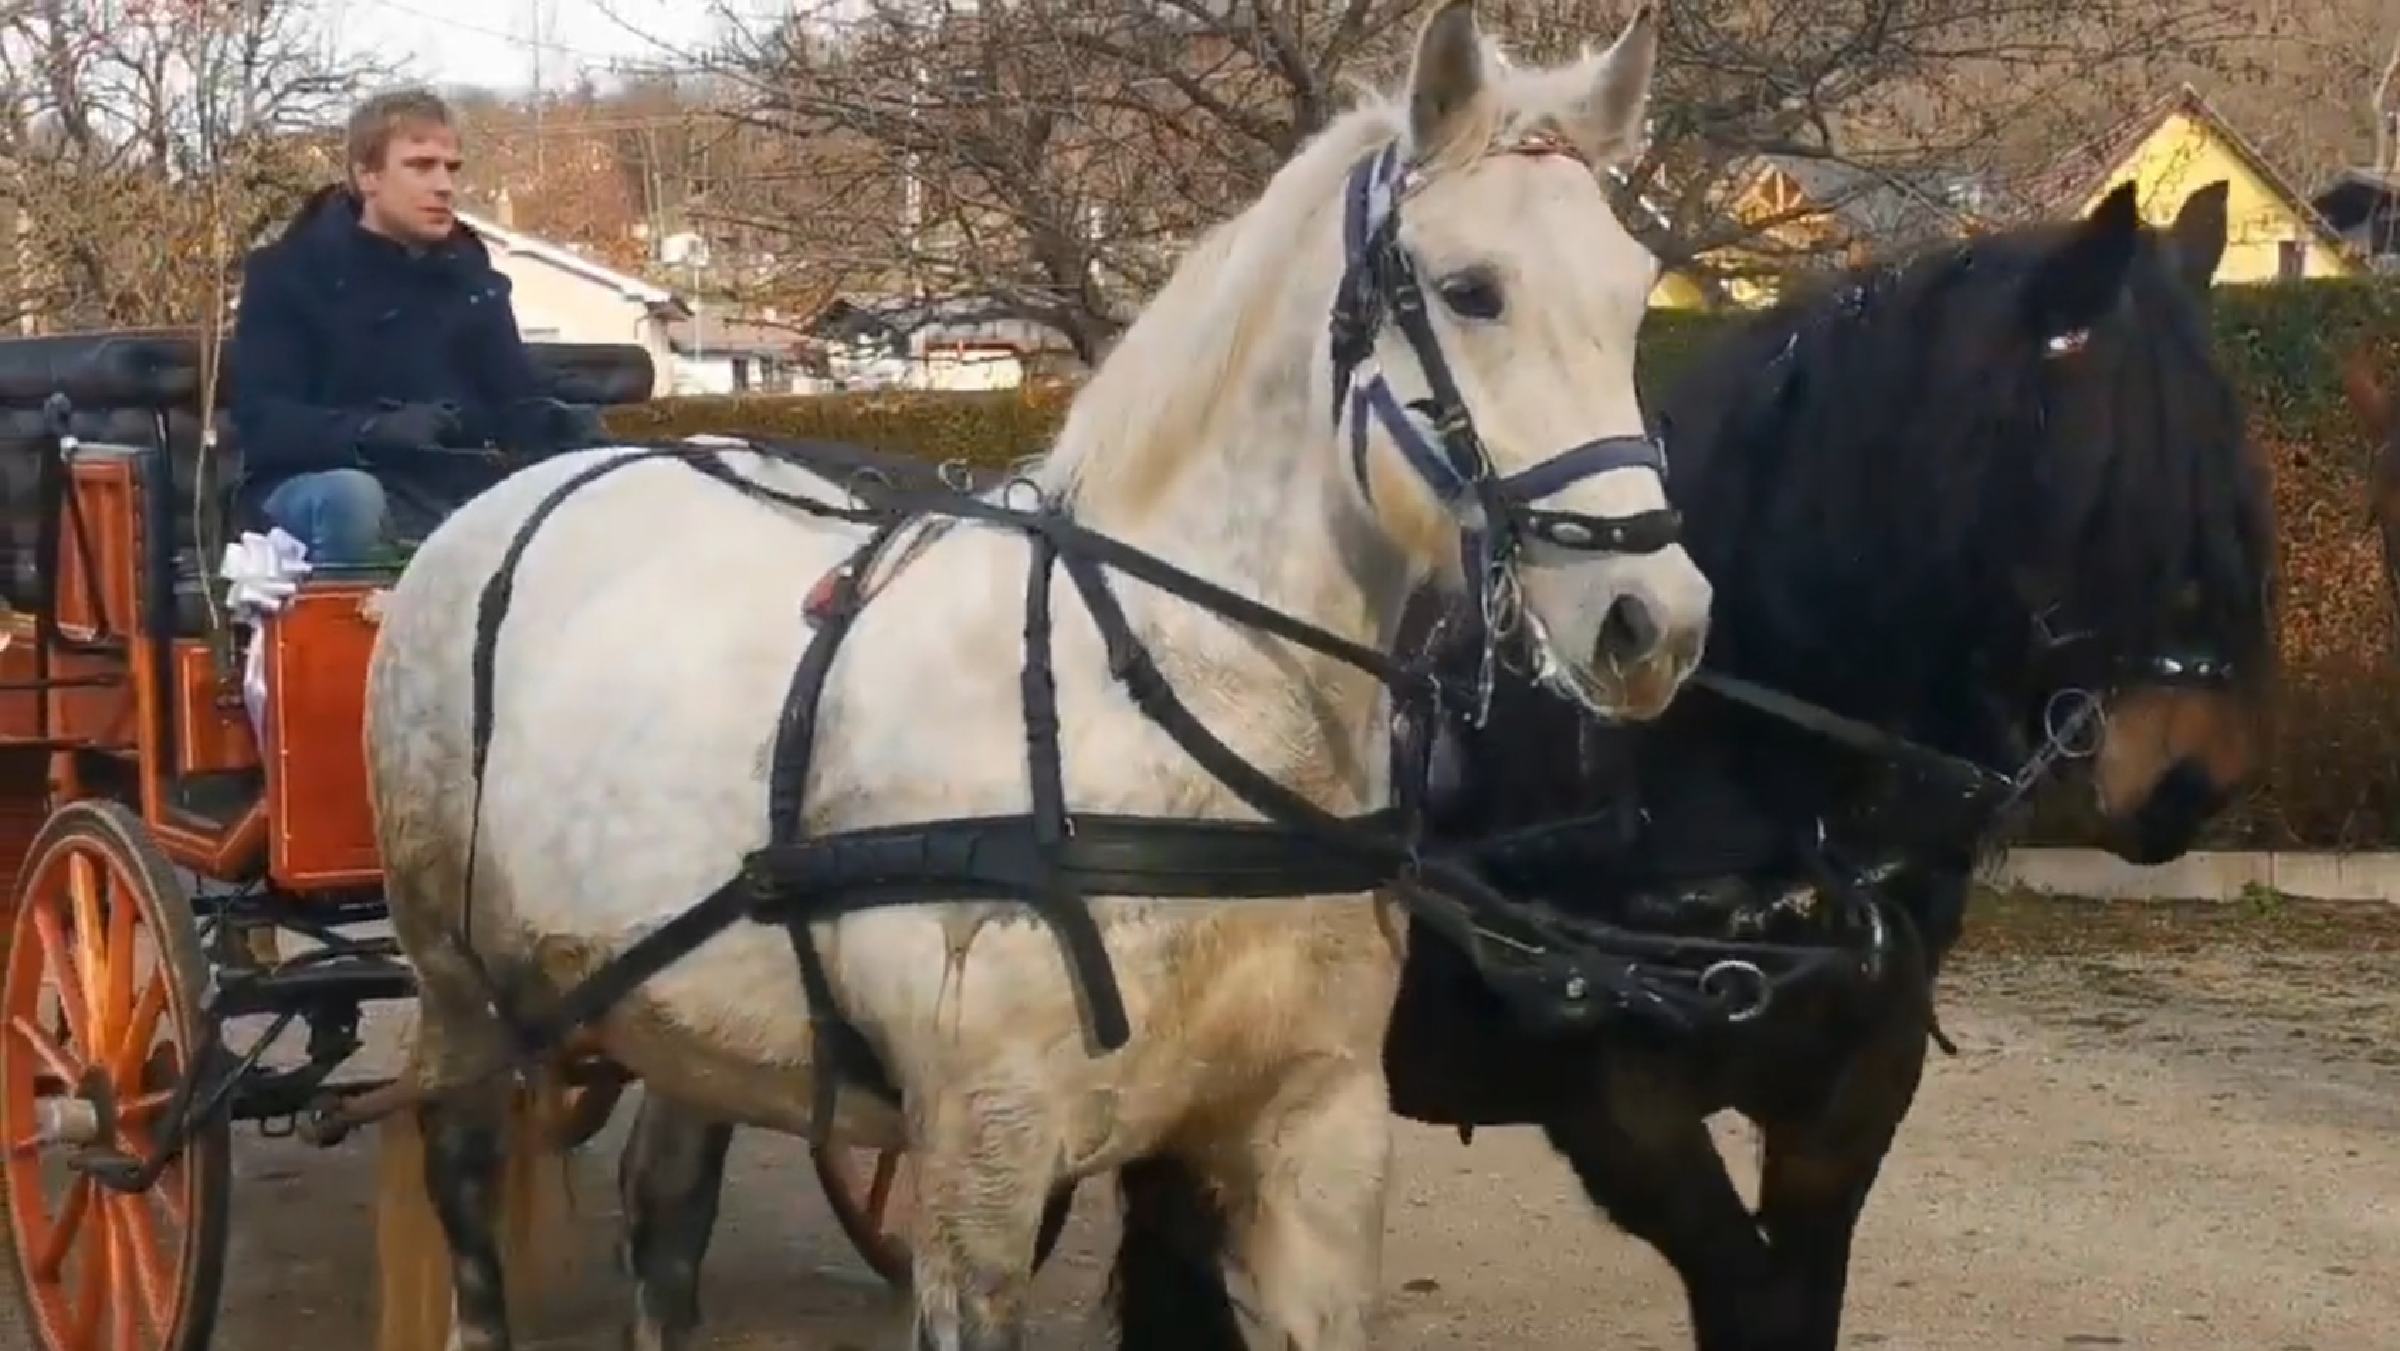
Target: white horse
[{"x": 656, "y": 623}]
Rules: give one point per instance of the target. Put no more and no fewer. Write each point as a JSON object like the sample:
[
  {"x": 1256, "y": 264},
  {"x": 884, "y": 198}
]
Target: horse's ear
[
  {"x": 1448, "y": 82},
  {"x": 2082, "y": 277},
  {"x": 2199, "y": 235},
  {"x": 1610, "y": 122},
  {"x": 2368, "y": 397}
]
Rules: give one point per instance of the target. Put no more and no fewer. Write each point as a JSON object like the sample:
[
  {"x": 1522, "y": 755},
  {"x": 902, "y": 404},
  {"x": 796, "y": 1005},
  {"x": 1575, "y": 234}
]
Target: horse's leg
[
  {"x": 1168, "y": 1287},
  {"x": 1645, "y": 1157},
  {"x": 1305, "y": 1195},
  {"x": 986, "y": 1159},
  {"x": 465, "y": 1145},
  {"x": 669, "y": 1180},
  {"x": 1816, "y": 1172},
  {"x": 478, "y": 1155}
]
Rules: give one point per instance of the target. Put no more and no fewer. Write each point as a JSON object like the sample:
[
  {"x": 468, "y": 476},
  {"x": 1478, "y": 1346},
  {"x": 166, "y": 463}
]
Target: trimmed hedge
[
  {"x": 987, "y": 430},
  {"x": 2333, "y": 775}
]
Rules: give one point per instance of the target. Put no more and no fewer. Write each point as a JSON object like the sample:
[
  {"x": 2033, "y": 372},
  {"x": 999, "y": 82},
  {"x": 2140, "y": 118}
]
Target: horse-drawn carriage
[
  {"x": 177, "y": 860},
  {"x": 1982, "y": 499}
]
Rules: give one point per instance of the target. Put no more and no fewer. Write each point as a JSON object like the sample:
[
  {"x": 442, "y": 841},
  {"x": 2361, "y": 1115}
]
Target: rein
[
  {"x": 2073, "y": 722},
  {"x": 1747, "y": 984}
]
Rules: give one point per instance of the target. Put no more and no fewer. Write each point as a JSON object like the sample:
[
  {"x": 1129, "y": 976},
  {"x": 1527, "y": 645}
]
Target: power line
[{"x": 536, "y": 43}]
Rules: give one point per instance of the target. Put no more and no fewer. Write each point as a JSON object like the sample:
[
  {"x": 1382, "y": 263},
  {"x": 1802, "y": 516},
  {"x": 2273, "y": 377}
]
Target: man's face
[{"x": 409, "y": 198}]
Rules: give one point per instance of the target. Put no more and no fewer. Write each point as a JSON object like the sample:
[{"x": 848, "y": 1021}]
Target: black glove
[
  {"x": 409, "y": 426},
  {"x": 536, "y": 428}
]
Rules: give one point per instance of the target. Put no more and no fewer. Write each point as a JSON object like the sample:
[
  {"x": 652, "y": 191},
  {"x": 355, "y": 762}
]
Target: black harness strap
[
  {"x": 490, "y": 608},
  {"x": 1108, "y": 854},
  {"x": 837, "y": 1048},
  {"x": 1052, "y": 894},
  {"x": 1484, "y": 925}
]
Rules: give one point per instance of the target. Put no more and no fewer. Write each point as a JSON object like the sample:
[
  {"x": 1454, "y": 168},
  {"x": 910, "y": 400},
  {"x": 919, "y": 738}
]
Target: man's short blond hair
[{"x": 384, "y": 116}]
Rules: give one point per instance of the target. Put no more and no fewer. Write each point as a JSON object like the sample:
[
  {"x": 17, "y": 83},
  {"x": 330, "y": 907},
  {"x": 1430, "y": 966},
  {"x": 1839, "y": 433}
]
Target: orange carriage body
[
  {"x": 159, "y": 715},
  {"x": 128, "y": 761}
]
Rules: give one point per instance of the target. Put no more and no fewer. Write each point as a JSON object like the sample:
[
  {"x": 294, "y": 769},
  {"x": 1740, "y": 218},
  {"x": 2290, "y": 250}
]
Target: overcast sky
[{"x": 490, "y": 42}]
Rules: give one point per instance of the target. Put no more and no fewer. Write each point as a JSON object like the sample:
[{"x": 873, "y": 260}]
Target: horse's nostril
[{"x": 1629, "y": 632}]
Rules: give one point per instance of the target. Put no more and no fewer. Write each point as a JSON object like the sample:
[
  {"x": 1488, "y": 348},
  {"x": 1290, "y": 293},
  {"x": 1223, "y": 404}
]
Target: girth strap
[{"x": 1106, "y": 854}]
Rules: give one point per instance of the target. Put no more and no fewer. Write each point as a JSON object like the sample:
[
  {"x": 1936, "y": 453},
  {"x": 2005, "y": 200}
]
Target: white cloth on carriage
[{"x": 261, "y": 572}]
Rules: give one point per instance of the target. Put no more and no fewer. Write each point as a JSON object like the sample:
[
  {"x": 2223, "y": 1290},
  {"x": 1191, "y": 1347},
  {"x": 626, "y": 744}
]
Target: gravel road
[{"x": 2169, "y": 1126}]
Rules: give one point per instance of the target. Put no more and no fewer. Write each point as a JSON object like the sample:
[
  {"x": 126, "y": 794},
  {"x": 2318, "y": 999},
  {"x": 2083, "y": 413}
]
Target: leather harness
[{"x": 1559, "y": 970}]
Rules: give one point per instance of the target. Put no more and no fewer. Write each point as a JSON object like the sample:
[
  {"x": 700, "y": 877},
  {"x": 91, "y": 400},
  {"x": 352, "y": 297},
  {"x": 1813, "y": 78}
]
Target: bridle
[{"x": 1496, "y": 514}]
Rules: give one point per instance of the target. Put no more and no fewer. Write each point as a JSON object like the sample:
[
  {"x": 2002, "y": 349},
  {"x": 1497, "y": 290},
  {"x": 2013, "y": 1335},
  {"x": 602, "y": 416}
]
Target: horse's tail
[
  {"x": 532, "y": 1219},
  {"x": 1168, "y": 1287}
]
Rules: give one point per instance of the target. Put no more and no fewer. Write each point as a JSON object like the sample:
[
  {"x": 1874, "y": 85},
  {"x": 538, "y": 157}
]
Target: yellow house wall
[
  {"x": 2184, "y": 155},
  {"x": 1676, "y": 291},
  {"x": 1750, "y": 290}
]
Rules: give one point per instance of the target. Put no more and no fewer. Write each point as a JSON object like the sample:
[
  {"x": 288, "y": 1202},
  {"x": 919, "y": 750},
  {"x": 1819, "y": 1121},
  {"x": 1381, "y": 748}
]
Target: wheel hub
[{"x": 71, "y": 1122}]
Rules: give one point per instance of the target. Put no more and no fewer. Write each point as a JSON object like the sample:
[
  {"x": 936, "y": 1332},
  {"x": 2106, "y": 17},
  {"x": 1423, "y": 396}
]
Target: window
[{"x": 2291, "y": 260}]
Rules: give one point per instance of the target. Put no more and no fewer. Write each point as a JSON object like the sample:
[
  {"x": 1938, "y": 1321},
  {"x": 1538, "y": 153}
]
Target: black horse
[{"x": 1956, "y": 502}]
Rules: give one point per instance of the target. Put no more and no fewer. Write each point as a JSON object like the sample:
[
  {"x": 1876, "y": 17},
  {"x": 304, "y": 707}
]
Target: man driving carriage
[{"x": 378, "y": 351}]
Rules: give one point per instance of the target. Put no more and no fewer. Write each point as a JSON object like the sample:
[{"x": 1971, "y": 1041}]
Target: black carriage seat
[{"x": 126, "y": 387}]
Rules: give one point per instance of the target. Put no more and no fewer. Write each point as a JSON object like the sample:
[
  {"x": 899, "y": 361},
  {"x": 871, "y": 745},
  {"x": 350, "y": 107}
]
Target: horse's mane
[{"x": 1866, "y": 467}]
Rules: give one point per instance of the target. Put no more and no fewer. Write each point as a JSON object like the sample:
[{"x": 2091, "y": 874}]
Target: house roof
[
  {"x": 733, "y": 336},
  {"x": 2069, "y": 180},
  {"x": 1882, "y": 205},
  {"x": 2360, "y": 203},
  {"x": 888, "y": 317},
  {"x": 567, "y": 260},
  {"x": 2354, "y": 192}
]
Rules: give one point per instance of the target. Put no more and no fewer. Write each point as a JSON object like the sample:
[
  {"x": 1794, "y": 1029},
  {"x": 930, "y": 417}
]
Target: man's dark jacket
[{"x": 338, "y": 324}]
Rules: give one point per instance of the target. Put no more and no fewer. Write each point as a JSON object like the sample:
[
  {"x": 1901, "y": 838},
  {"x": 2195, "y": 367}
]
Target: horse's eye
[{"x": 1472, "y": 294}]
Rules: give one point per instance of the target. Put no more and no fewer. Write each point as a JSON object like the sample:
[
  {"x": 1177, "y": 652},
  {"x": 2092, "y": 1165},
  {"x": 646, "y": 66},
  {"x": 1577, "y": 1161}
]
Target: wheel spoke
[
  {"x": 52, "y": 1259},
  {"x": 91, "y": 1296},
  {"x": 53, "y": 1056},
  {"x": 116, "y": 993},
  {"x": 91, "y": 951},
  {"x": 62, "y": 974},
  {"x": 142, "y": 1029},
  {"x": 153, "y": 1273},
  {"x": 123, "y": 1333},
  {"x": 142, "y": 1107}
]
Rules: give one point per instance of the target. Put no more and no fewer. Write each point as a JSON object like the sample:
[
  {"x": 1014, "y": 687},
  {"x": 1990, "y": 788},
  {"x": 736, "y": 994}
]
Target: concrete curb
[{"x": 2202, "y": 876}]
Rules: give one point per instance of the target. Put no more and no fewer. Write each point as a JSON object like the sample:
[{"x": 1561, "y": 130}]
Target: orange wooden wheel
[
  {"x": 873, "y": 1193},
  {"x": 99, "y": 1019}
]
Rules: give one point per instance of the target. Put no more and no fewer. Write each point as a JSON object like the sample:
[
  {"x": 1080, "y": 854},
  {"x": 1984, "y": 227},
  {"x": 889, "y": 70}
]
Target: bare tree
[
  {"x": 144, "y": 146},
  {"x": 1054, "y": 155}
]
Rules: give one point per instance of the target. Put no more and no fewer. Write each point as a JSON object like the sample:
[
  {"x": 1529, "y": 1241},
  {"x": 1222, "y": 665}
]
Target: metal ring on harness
[
  {"x": 1723, "y": 980},
  {"x": 1010, "y": 489},
  {"x": 864, "y": 474},
  {"x": 2083, "y": 715}
]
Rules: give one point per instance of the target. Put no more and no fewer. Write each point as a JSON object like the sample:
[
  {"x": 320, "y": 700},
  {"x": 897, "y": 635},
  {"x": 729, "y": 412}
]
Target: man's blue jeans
[{"x": 337, "y": 513}]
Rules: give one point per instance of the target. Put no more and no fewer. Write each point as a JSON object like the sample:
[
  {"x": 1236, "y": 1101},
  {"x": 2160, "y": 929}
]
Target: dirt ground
[{"x": 2169, "y": 1126}]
